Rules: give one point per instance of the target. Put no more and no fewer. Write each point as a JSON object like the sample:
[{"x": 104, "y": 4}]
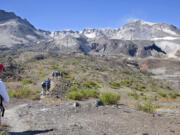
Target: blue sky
[{"x": 79, "y": 14}]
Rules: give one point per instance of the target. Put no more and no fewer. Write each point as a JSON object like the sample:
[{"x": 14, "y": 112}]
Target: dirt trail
[{"x": 13, "y": 119}]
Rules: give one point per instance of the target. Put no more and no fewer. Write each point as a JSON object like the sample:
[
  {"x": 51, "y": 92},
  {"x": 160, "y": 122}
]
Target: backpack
[{"x": 1, "y": 106}]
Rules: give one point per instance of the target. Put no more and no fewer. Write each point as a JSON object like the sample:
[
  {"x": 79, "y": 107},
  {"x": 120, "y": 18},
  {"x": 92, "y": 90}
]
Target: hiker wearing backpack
[
  {"x": 46, "y": 86},
  {"x": 4, "y": 97}
]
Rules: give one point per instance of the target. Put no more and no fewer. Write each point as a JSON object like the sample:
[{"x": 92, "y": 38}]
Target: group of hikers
[
  {"x": 46, "y": 85},
  {"x": 4, "y": 97}
]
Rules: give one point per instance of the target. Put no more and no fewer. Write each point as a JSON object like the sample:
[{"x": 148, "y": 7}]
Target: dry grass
[{"x": 108, "y": 74}]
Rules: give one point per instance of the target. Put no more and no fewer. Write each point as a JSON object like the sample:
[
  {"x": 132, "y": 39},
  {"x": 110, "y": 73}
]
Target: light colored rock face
[
  {"x": 166, "y": 37},
  {"x": 129, "y": 40},
  {"x": 17, "y": 31}
]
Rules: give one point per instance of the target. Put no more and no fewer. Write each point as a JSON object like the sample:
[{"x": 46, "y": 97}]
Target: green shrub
[
  {"x": 109, "y": 98},
  {"x": 134, "y": 94},
  {"x": 139, "y": 87},
  {"x": 115, "y": 85},
  {"x": 74, "y": 87},
  {"x": 147, "y": 107},
  {"x": 82, "y": 94},
  {"x": 127, "y": 83},
  {"x": 54, "y": 67},
  {"x": 162, "y": 94},
  {"x": 42, "y": 75},
  {"x": 90, "y": 84},
  {"x": 27, "y": 81},
  {"x": 75, "y": 95},
  {"x": 24, "y": 92},
  {"x": 65, "y": 74},
  {"x": 173, "y": 95},
  {"x": 91, "y": 93},
  {"x": 168, "y": 87}
]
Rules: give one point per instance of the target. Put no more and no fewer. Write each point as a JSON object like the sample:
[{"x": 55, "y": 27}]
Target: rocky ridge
[{"x": 19, "y": 34}]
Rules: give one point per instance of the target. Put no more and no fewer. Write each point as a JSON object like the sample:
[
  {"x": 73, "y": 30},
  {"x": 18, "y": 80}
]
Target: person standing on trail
[
  {"x": 4, "y": 97},
  {"x": 3, "y": 91},
  {"x": 46, "y": 86}
]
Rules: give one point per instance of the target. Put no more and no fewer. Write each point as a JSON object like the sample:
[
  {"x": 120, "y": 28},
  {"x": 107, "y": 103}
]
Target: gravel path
[{"x": 64, "y": 118}]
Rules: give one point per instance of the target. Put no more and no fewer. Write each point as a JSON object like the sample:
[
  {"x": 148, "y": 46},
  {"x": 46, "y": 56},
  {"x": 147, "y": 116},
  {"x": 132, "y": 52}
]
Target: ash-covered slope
[{"x": 16, "y": 32}]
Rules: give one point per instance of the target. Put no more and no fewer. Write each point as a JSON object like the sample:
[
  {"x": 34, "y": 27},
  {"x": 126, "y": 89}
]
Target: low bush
[
  {"x": 127, "y": 82},
  {"x": 147, "y": 107},
  {"x": 75, "y": 95},
  {"x": 54, "y": 67},
  {"x": 90, "y": 84},
  {"x": 42, "y": 75},
  {"x": 74, "y": 87},
  {"x": 134, "y": 94},
  {"x": 24, "y": 92},
  {"x": 109, "y": 98},
  {"x": 27, "y": 81},
  {"x": 173, "y": 95},
  {"x": 83, "y": 94},
  {"x": 162, "y": 94},
  {"x": 115, "y": 85},
  {"x": 168, "y": 87},
  {"x": 65, "y": 74}
]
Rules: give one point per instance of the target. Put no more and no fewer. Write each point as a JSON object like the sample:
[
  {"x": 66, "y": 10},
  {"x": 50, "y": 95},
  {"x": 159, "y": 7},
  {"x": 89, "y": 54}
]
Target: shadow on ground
[{"x": 35, "y": 132}]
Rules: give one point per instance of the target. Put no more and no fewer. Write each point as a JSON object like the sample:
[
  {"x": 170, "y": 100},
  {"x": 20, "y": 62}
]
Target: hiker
[
  {"x": 46, "y": 86},
  {"x": 4, "y": 97},
  {"x": 53, "y": 75},
  {"x": 56, "y": 75}
]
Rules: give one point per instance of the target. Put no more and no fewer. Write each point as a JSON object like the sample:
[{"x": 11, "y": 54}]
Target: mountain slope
[
  {"x": 15, "y": 31},
  {"x": 132, "y": 39}
]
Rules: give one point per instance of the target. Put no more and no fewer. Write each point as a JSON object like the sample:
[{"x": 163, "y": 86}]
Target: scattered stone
[
  {"x": 115, "y": 107},
  {"x": 128, "y": 110},
  {"x": 157, "y": 115},
  {"x": 172, "y": 131},
  {"x": 98, "y": 103},
  {"x": 76, "y": 104}
]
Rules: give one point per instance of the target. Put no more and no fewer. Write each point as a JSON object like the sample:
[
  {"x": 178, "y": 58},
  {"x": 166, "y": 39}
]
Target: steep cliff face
[{"x": 116, "y": 47}]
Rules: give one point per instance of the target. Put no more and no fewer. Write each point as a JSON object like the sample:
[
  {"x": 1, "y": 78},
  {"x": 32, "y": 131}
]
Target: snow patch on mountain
[
  {"x": 169, "y": 47},
  {"x": 165, "y": 38},
  {"x": 169, "y": 31},
  {"x": 90, "y": 35}
]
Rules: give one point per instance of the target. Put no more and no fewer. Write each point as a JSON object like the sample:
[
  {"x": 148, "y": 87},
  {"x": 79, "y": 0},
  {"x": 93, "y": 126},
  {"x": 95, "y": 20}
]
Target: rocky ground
[
  {"x": 56, "y": 114},
  {"x": 87, "y": 118}
]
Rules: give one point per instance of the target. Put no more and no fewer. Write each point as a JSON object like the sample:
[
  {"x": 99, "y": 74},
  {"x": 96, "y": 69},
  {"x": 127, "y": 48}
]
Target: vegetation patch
[
  {"x": 115, "y": 85},
  {"x": 173, "y": 95},
  {"x": 42, "y": 75},
  {"x": 147, "y": 107},
  {"x": 90, "y": 84},
  {"x": 134, "y": 94},
  {"x": 82, "y": 94},
  {"x": 54, "y": 67},
  {"x": 109, "y": 98},
  {"x": 27, "y": 81},
  {"x": 162, "y": 94},
  {"x": 24, "y": 93}
]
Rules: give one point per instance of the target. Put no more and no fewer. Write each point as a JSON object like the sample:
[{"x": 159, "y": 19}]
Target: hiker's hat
[{"x": 1, "y": 67}]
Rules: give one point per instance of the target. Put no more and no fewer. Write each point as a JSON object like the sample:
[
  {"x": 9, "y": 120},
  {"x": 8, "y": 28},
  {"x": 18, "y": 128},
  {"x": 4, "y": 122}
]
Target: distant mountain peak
[{"x": 141, "y": 22}]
